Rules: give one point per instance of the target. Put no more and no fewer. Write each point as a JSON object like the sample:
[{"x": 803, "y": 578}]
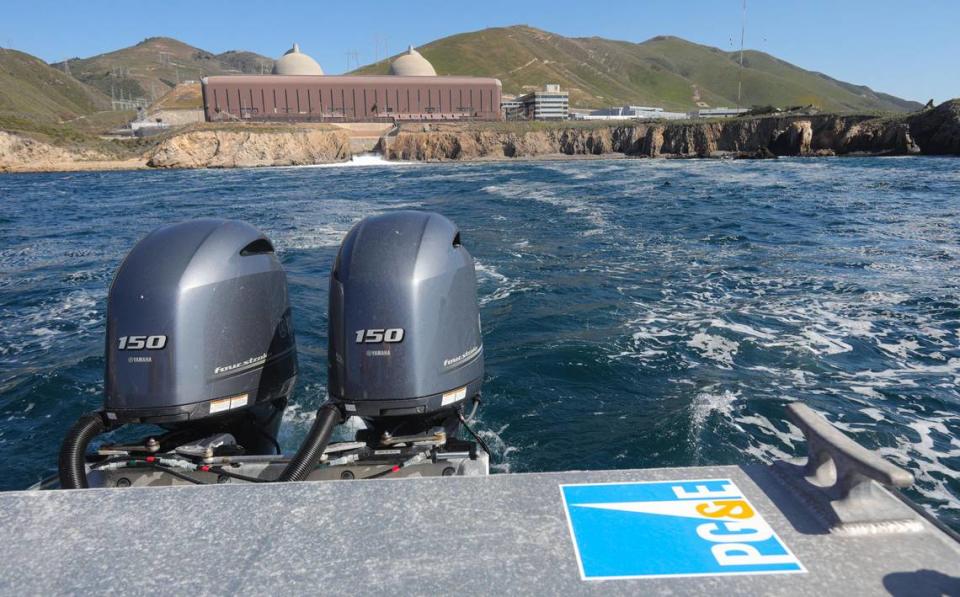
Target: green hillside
[
  {"x": 32, "y": 91},
  {"x": 663, "y": 71},
  {"x": 152, "y": 67}
]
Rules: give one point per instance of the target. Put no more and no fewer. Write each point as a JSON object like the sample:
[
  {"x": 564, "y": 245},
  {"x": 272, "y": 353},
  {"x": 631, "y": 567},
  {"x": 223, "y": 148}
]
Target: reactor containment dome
[
  {"x": 295, "y": 62},
  {"x": 412, "y": 64}
]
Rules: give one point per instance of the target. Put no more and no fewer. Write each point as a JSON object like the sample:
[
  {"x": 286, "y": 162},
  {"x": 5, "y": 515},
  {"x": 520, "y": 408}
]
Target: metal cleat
[{"x": 846, "y": 483}]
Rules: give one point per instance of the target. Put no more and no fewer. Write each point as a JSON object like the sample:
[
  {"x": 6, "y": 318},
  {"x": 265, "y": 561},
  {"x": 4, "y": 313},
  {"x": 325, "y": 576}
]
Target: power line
[{"x": 353, "y": 57}]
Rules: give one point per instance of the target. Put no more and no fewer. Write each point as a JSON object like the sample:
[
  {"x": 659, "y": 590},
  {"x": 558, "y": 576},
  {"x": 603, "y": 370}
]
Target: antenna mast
[{"x": 743, "y": 27}]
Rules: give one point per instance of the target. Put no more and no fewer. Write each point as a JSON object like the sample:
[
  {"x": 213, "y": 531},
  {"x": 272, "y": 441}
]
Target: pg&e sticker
[{"x": 671, "y": 528}]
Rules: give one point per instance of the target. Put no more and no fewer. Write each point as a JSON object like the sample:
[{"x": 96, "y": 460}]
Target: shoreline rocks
[
  {"x": 933, "y": 131},
  {"x": 250, "y": 148},
  {"x": 21, "y": 153}
]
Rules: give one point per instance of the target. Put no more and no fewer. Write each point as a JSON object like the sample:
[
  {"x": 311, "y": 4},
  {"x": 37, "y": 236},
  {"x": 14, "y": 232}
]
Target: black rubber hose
[
  {"x": 73, "y": 452},
  {"x": 308, "y": 456}
]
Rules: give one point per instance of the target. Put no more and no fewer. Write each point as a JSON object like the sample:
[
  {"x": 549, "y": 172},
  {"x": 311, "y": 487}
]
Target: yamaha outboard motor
[
  {"x": 405, "y": 345},
  {"x": 199, "y": 341}
]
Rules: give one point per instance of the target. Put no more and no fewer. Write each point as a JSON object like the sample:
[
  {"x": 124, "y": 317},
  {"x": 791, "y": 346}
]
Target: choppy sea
[{"x": 636, "y": 313}]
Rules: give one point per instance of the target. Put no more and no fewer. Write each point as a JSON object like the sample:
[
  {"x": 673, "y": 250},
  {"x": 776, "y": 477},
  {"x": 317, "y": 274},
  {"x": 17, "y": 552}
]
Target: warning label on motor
[{"x": 672, "y": 528}]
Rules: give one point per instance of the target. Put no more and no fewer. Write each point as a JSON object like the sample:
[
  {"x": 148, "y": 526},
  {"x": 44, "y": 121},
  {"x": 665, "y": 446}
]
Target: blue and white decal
[{"x": 671, "y": 528}]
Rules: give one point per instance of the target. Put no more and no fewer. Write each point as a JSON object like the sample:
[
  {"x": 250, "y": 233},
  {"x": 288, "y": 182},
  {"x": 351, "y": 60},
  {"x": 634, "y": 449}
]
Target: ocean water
[{"x": 637, "y": 313}]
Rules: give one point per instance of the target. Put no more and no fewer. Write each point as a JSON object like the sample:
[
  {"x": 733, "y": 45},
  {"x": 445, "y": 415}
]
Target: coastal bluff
[
  {"x": 931, "y": 132},
  {"x": 249, "y": 147},
  {"x": 934, "y": 131}
]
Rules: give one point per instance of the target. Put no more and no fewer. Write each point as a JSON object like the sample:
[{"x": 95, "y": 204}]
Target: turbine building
[{"x": 298, "y": 91}]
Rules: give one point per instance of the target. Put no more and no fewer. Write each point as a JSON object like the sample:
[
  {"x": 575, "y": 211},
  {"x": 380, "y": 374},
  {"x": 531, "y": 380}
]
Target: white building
[{"x": 549, "y": 104}]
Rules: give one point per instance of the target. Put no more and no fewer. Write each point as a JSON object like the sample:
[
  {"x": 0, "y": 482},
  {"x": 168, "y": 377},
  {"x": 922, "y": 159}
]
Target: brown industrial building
[
  {"x": 298, "y": 91},
  {"x": 324, "y": 98}
]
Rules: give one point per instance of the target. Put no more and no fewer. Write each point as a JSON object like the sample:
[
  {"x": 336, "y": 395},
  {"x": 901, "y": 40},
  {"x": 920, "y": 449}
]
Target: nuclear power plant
[{"x": 298, "y": 91}]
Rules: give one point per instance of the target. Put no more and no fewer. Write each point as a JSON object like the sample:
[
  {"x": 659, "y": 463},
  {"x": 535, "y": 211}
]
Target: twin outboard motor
[
  {"x": 200, "y": 340},
  {"x": 405, "y": 348}
]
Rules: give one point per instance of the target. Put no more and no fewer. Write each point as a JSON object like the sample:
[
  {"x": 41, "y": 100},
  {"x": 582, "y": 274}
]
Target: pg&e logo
[{"x": 673, "y": 528}]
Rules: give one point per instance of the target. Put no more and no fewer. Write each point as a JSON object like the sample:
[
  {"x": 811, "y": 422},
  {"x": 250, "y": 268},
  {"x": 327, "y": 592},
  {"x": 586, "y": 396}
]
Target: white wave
[
  {"x": 716, "y": 348},
  {"x": 927, "y": 460},
  {"x": 900, "y": 349},
  {"x": 39, "y": 328},
  {"x": 588, "y": 210},
  {"x": 324, "y": 222},
  {"x": 502, "y": 452},
  {"x": 820, "y": 344},
  {"x": 874, "y": 413},
  {"x": 311, "y": 237},
  {"x": 868, "y": 391},
  {"x": 357, "y": 160},
  {"x": 706, "y": 404},
  {"x": 504, "y": 286},
  {"x": 764, "y": 436},
  {"x": 743, "y": 329}
]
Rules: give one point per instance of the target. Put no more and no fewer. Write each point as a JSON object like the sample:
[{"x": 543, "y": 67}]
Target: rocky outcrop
[
  {"x": 937, "y": 131},
  {"x": 934, "y": 131},
  {"x": 243, "y": 148},
  {"x": 796, "y": 139},
  {"x": 19, "y": 153}
]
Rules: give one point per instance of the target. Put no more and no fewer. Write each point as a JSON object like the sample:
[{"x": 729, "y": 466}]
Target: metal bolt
[
  {"x": 346, "y": 475},
  {"x": 123, "y": 482}
]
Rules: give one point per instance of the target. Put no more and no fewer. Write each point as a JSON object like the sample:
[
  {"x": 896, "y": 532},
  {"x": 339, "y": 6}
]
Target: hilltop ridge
[
  {"x": 662, "y": 71},
  {"x": 155, "y": 65}
]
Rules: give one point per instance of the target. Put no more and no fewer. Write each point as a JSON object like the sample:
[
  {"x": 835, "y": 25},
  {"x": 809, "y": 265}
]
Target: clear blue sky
[{"x": 908, "y": 48}]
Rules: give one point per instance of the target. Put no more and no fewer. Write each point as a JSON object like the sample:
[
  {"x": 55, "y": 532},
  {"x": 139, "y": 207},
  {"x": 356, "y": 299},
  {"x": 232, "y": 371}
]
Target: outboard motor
[
  {"x": 199, "y": 341},
  {"x": 405, "y": 345}
]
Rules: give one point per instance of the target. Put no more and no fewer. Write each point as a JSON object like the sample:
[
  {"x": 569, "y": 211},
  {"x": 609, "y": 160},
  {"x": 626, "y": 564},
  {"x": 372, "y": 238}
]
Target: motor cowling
[
  {"x": 404, "y": 321},
  {"x": 199, "y": 328}
]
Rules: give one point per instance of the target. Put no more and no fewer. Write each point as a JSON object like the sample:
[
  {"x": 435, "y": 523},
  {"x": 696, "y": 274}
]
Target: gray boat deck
[{"x": 497, "y": 535}]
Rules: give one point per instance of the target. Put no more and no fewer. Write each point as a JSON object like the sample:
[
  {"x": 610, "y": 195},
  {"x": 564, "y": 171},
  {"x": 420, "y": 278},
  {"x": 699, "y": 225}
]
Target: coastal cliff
[
  {"x": 241, "y": 148},
  {"x": 932, "y": 132},
  {"x": 21, "y": 153},
  {"x": 199, "y": 146}
]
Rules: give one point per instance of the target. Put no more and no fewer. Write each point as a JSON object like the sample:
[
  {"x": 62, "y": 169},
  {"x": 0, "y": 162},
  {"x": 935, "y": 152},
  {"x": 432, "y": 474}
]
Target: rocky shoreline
[{"x": 934, "y": 131}]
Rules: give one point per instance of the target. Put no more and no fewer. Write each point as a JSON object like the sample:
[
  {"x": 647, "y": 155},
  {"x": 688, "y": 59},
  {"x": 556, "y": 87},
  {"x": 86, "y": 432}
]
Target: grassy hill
[
  {"x": 30, "y": 90},
  {"x": 185, "y": 96},
  {"x": 663, "y": 71},
  {"x": 155, "y": 65}
]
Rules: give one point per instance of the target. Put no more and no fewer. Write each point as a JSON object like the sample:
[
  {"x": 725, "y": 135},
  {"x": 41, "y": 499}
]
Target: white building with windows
[{"x": 549, "y": 104}]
